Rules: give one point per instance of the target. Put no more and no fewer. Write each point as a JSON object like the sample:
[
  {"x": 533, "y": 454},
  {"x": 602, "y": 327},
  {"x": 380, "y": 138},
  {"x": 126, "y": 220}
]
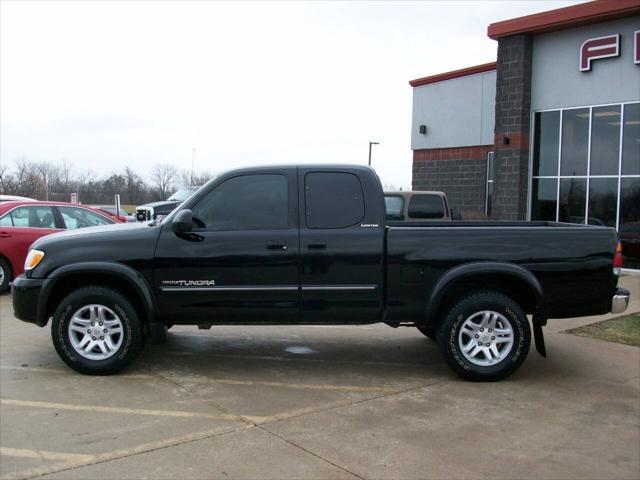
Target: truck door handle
[
  {"x": 317, "y": 246},
  {"x": 276, "y": 246},
  {"x": 4, "y": 235}
]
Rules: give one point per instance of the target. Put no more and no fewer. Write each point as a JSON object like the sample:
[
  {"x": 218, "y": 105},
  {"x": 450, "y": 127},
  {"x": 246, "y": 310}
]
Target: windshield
[{"x": 182, "y": 194}]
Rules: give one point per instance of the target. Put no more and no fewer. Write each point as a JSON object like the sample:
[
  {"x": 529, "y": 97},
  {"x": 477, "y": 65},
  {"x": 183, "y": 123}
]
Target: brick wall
[
  {"x": 459, "y": 172},
  {"x": 513, "y": 106}
]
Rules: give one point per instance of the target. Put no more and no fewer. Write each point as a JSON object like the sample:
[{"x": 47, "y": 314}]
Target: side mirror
[
  {"x": 182, "y": 222},
  {"x": 455, "y": 214}
]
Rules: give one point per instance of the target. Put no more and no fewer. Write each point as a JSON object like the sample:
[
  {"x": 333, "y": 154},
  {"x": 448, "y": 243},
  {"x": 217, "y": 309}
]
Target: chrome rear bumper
[{"x": 620, "y": 301}]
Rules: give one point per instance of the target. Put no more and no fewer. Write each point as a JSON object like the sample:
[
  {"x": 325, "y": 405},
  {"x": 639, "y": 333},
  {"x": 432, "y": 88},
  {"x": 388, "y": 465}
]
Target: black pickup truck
[{"x": 309, "y": 245}]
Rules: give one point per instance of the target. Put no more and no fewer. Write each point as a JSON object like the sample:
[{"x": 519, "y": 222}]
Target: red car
[{"x": 23, "y": 222}]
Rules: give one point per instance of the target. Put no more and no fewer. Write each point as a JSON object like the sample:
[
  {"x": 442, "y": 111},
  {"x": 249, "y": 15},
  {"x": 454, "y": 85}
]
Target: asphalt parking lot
[{"x": 317, "y": 402}]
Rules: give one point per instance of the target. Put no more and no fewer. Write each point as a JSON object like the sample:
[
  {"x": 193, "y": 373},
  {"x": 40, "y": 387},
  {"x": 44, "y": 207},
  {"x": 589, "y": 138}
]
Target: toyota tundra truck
[{"x": 310, "y": 244}]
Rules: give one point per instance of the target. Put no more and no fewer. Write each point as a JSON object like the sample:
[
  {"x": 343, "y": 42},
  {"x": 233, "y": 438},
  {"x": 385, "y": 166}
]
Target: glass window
[
  {"x": 333, "y": 200},
  {"x": 490, "y": 157},
  {"x": 631, "y": 140},
  {"x": 603, "y": 201},
  {"x": 245, "y": 202},
  {"x": 575, "y": 142},
  {"x": 630, "y": 221},
  {"x": 546, "y": 140},
  {"x": 33, "y": 217},
  {"x": 395, "y": 206},
  {"x": 605, "y": 140},
  {"x": 426, "y": 206},
  {"x": 76, "y": 217},
  {"x": 6, "y": 221},
  {"x": 544, "y": 192},
  {"x": 573, "y": 200}
]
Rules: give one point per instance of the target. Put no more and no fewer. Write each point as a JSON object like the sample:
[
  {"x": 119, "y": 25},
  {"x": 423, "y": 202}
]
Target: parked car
[
  {"x": 310, "y": 245},
  {"x": 23, "y": 222},
  {"x": 121, "y": 214},
  {"x": 14, "y": 198},
  {"x": 158, "y": 210},
  {"x": 417, "y": 206}
]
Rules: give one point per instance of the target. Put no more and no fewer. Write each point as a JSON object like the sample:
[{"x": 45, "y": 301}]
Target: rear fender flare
[{"x": 488, "y": 268}]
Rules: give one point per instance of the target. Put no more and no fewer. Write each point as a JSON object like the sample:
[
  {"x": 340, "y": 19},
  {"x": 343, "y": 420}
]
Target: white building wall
[
  {"x": 557, "y": 80},
  {"x": 458, "y": 112}
]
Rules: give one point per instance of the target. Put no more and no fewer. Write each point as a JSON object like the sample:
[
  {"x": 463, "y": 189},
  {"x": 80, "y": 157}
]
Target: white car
[{"x": 11, "y": 198}]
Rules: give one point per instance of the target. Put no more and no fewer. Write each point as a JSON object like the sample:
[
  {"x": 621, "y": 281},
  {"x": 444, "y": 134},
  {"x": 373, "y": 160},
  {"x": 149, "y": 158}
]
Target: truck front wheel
[
  {"x": 96, "y": 331},
  {"x": 485, "y": 337}
]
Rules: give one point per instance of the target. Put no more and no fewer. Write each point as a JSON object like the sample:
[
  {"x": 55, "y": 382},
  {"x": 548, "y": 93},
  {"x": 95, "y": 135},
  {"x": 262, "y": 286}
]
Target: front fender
[{"x": 123, "y": 272}]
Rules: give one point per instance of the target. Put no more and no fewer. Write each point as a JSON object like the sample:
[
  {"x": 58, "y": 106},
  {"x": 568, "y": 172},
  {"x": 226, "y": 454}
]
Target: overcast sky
[{"x": 105, "y": 85}]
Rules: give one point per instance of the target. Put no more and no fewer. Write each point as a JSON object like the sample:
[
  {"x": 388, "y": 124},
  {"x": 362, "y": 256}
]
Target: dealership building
[{"x": 550, "y": 131}]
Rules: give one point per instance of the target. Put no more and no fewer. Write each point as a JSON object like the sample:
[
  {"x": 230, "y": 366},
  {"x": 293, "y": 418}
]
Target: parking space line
[
  {"x": 45, "y": 455},
  {"x": 121, "y": 410}
]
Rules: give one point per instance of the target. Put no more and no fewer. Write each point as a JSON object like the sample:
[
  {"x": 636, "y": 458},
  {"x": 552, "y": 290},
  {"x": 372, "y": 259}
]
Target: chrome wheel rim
[
  {"x": 485, "y": 338},
  {"x": 95, "y": 332},
  {"x": 1, "y": 275}
]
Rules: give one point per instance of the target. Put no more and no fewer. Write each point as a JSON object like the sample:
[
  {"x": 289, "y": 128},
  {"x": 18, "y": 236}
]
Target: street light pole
[{"x": 370, "y": 144}]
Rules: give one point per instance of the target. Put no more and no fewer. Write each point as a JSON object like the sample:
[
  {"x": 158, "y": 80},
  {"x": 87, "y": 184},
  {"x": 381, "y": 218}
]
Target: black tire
[
  {"x": 6, "y": 275},
  {"x": 429, "y": 332},
  {"x": 132, "y": 330},
  {"x": 449, "y": 334}
]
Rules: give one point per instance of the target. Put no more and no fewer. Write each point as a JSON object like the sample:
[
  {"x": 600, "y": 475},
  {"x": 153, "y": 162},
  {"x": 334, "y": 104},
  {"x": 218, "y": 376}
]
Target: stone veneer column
[{"x": 513, "y": 118}]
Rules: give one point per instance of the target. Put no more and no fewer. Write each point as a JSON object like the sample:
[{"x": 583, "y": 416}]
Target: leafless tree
[
  {"x": 199, "y": 178},
  {"x": 163, "y": 177}
]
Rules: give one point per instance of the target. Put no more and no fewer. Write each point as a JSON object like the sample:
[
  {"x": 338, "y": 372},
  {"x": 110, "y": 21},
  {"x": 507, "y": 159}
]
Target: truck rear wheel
[
  {"x": 96, "y": 331},
  {"x": 485, "y": 337}
]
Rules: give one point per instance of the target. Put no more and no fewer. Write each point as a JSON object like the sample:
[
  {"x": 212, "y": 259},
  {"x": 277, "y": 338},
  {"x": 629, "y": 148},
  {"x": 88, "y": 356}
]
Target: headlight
[{"x": 34, "y": 257}]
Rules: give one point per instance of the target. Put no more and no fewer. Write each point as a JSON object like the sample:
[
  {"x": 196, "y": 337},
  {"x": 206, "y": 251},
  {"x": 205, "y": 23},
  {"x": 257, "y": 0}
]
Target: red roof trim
[
  {"x": 567, "y": 17},
  {"x": 441, "y": 77}
]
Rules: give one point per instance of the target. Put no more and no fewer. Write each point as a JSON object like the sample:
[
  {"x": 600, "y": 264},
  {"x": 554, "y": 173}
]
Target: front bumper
[
  {"x": 25, "y": 294},
  {"x": 620, "y": 301}
]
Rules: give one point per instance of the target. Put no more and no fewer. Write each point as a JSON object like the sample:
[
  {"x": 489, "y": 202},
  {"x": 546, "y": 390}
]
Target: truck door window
[
  {"x": 426, "y": 206},
  {"x": 333, "y": 200},
  {"x": 245, "y": 202}
]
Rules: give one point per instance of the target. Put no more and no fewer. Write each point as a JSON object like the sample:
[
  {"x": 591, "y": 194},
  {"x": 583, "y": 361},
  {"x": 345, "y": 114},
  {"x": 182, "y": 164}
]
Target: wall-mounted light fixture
[
  {"x": 505, "y": 140},
  {"x": 423, "y": 129}
]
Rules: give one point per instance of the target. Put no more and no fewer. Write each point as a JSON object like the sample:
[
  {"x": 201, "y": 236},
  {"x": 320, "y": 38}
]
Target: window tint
[
  {"x": 395, "y": 206},
  {"x": 75, "y": 218},
  {"x": 544, "y": 192},
  {"x": 575, "y": 141},
  {"x": 245, "y": 202},
  {"x": 605, "y": 141},
  {"x": 631, "y": 140},
  {"x": 546, "y": 139},
  {"x": 573, "y": 200},
  {"x": 426, "y": 206},
  {"x": 33, "y": 217},
  {"x": 333, "y": 200}
]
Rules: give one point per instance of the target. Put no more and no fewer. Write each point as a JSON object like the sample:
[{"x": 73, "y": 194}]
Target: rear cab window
[
  {"x": 394, "y": 207},
  {"x": 426, "y": 206},
  {"x": 333, "y": 200}
]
